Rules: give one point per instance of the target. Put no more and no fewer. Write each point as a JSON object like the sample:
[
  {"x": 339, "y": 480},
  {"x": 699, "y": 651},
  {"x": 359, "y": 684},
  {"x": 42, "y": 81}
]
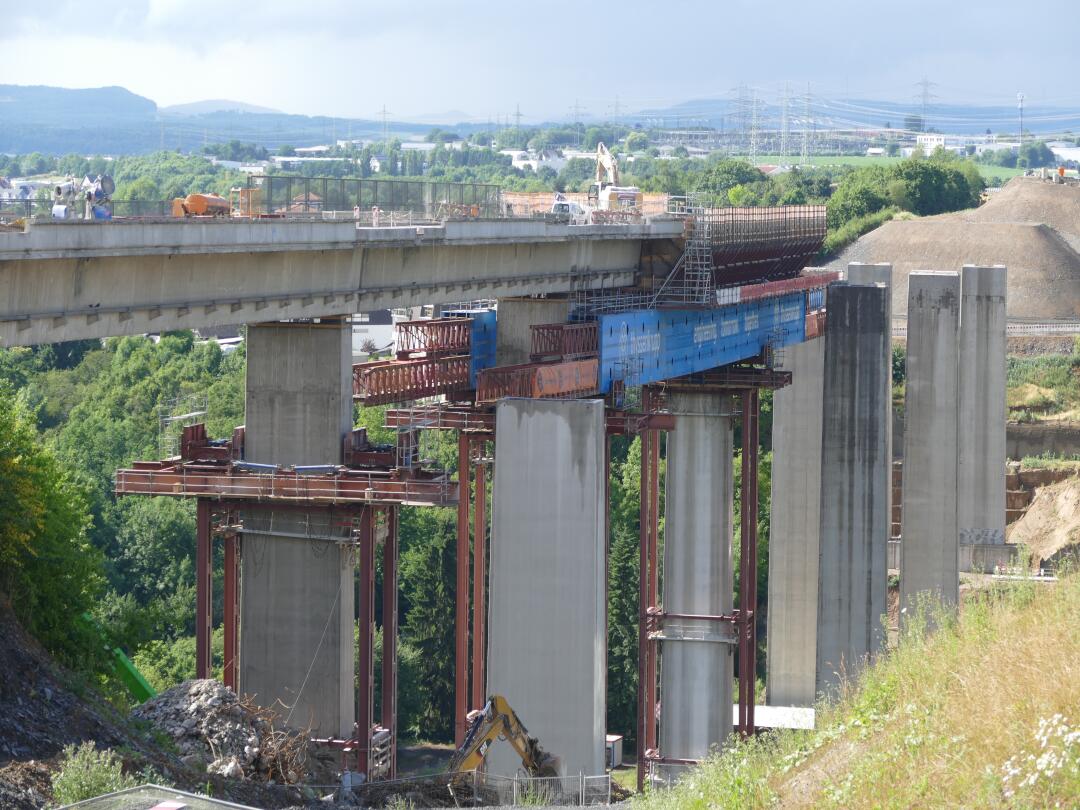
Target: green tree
[
  {"x": 48, "y": 569},
  {"x": 428, "y": 564}
]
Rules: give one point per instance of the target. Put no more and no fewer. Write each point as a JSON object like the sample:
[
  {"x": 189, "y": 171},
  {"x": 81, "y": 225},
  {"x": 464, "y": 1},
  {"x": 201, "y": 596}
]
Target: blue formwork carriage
[
  {"x": 647, "y": 346},
  {"x": 481, "y": 340}
]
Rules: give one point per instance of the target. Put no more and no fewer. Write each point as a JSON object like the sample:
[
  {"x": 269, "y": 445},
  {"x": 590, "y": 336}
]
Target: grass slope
[{"x": 985, "y": 712}]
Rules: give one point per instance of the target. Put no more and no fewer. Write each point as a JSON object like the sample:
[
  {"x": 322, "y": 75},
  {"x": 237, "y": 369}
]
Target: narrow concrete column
[
  {"x": 794, "y": 529},
  {"x": 513, "y": 338},
  {"x": 864, "y": 274},
  {"x": 980, "y": 469},
  {"x": 547, "y": 615},
  {"x": 297, "y": 604},
  {"x": 929, "y": 546},
  {"x": 854, "y": 483},
  {"x": 696, "y": 673}
]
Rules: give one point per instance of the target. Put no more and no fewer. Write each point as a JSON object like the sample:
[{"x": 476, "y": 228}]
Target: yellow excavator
[{"x": 498, "y": 721}]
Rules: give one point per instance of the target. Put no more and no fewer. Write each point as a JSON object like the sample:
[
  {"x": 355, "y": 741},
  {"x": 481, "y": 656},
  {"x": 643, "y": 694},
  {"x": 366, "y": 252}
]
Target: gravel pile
[
  {"x": 213, "y": 728},
  {"x": 1030, "y": 226}
]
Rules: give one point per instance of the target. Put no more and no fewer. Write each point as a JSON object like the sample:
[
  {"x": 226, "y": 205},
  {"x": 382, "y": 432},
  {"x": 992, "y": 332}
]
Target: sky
[{"x": 462, "y": 60}]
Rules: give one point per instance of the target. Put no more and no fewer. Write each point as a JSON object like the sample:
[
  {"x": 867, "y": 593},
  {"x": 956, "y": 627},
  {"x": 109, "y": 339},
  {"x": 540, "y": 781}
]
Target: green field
[{"x": 988, "y": 172}]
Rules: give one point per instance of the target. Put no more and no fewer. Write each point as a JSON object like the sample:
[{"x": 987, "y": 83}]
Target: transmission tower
[
  {"x": 385, "y": 127},
  {"x": 753, "y": 126},
  {"x": 925, "y": 97},
  {"x": 517, "y": 117},
  {"x": 784, "y": 125},
  {"x": 805, "y": 157}
]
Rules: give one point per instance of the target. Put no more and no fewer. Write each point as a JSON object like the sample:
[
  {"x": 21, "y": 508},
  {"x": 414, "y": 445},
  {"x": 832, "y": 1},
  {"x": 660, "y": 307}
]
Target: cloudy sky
[{"x": 430, "y": 57}]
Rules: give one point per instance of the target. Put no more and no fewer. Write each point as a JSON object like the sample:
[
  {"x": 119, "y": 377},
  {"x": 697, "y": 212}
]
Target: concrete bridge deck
[{"x": 74, "y": 280}]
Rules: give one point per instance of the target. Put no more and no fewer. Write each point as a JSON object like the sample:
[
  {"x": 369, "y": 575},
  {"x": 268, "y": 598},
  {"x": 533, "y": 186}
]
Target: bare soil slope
[
  {"x": 43, "y": 708},
  {"x": 1052, "y": 522},
  {"x": 1031, "y": 227}
]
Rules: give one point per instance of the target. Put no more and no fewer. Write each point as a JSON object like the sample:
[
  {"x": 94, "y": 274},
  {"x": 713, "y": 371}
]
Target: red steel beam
[
  {"x": 203, "y": 589},
  {"x": 479, "y": 582},
  {"x": 441, "y": 417},
  {"x": 654, "y": 581},
  {"x": 388, "y": 707},
  {"x": 385, "y": 381},
  {"x": 282, "y": 485},
  {"x": 232, "y": 613},
  {"x": 748, "y": 563},
  {"x": 461, "y": 596},
  {"x": 539, "y": 380},
  {"x": 366, "y": 645}
]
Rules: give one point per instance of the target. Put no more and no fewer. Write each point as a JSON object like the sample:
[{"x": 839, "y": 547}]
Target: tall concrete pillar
[
  {"x": 929, "y": 550},
  {"x": 297, "y": 605},
  {"x": 547, "y": 614},
  {"x": 794, "y": 529},
  {"x": 855, "y": 468},
  {"x": 696, "y": 671},
  {"x": 980, "y": 470},
  {"x": 513, "y": 338},
  {"x": 861, "y": 273}
]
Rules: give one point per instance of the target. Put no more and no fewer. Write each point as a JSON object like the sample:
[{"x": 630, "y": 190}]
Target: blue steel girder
[{"x": 646, "y": 346}]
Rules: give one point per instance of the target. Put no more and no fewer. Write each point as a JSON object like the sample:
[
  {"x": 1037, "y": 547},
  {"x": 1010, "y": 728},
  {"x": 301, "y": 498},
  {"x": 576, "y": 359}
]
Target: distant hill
[
  {"x": 63, "y": 107},
  {"x": 213, "y": 106}
]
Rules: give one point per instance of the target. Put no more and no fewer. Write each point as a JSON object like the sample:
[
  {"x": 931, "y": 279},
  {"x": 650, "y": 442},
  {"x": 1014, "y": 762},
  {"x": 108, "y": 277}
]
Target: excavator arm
[
  {"x": 607, "y": 168},
  {"x": 498, "y": 721}
]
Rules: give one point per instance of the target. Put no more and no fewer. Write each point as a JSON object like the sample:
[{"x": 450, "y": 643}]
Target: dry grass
[{"x": 955, "y": 718}]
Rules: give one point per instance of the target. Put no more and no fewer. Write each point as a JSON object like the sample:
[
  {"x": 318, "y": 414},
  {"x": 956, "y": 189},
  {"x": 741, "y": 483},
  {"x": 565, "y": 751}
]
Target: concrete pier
[
  {"x": 980, "y": 469},
  {"x": 929, "y": 551},
  {"x": 794, "y": 529},
  {"x": 547, "y": 615},
  {"x": 855, "y": 469},
  {"x": 513, "y": 338},
  {"x": 297, "y": 605},
  {"x": 697, "y": 656}
]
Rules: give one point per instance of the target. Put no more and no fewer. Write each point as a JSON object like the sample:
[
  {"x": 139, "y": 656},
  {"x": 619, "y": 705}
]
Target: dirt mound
[
  {"x": 1052, "y": 522},
  {"x": 1025, "y": 199},
  {"x": 1044, "y": 271},
  {"x": 1031, "y": 227}
]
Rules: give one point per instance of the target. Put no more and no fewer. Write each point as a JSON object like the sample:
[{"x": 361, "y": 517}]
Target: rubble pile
[{"x": 213, "y": 728}]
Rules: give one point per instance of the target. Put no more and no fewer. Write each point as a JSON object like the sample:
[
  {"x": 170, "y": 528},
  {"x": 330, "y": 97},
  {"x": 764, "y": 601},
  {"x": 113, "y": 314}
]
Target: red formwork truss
[
  {"x": 565, "y": 341},
  {"x": 385, "y": 381},
  {"x": 373, "y": 754},
  {"x": 440, "y": 336}
]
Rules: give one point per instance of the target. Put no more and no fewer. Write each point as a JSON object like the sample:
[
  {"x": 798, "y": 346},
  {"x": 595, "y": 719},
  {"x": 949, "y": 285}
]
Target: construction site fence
[
  {"x": 427, "y": 199},
  {"x": 532, "y": 791}
]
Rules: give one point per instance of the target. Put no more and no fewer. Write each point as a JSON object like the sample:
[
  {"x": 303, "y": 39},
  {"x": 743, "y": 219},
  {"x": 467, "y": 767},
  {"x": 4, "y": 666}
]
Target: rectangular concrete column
[
  {"x": 980, "y": 470},
  {"x": 696, "y": 670},
  {"x": 865, "y": 274},
  {"x": 547, "y": 615},
  {"x": 794, "y": 529},
  {"x": 513, "y": 338},
  {"x": 855, "y": 468},
  {"x": 297, "y": 605},
  {"x": 930, "y": 543}
]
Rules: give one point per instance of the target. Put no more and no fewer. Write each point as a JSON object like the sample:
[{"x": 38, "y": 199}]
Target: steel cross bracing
[{"x": 655, "y": 624}]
